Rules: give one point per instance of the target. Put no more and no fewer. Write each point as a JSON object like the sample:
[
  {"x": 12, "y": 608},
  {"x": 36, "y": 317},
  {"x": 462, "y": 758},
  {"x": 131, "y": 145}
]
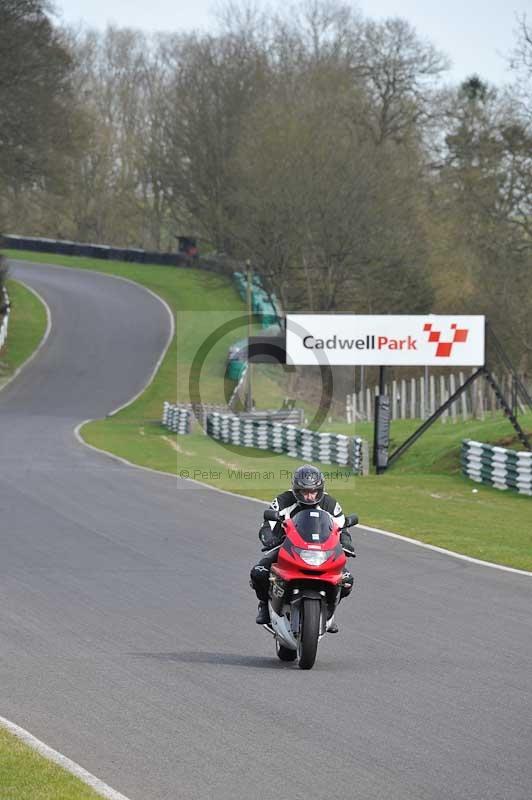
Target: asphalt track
[{"x": 127, "y": 633}]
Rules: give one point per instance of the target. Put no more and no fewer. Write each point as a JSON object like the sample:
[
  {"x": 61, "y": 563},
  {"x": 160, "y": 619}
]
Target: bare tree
[
  {"x": 35, "y": 93},
  {"x": 105, "y": 180},
  {"x": 214, "y": 82},
  {"x": 521, "y": 59},
  {"x": 327, "y": 215},
  {"x": 110, "y": 191},
  {"x": 399, "y": 72}
]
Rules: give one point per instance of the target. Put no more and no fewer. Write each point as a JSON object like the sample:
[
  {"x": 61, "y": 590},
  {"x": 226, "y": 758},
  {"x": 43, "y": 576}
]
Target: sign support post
[
  {"x": 381, "y": 430},
  {"x": 249, "y": 388}
]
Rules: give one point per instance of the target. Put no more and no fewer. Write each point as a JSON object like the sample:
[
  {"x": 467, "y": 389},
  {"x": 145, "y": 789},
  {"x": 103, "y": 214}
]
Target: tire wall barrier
[
  {"x": 496, "y": 466},
  {"x": 177, "y": 419},
  {"x": 180, "y": 417},
  {"x": 174, "y": 415},
  {"x": 279, "y": 437},
  {"x": 328, "y": 448},
  {"x": 4, "y": 324}
]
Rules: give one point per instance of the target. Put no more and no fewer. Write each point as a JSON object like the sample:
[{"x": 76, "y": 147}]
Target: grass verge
[
  {"x": 27, "y": 325},
  {"x": 437, "y": 507},
  {"x": 26, "y": 775},
  {"x": 424, "y": 496}
]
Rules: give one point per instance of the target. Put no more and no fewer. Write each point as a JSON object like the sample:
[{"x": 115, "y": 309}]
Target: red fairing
[{"x": 291, "y": 567}]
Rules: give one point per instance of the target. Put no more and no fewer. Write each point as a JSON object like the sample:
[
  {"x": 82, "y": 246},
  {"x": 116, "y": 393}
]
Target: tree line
[{"x": 326, "y": 147}]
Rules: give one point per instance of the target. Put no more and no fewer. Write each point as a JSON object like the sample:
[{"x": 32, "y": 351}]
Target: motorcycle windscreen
[{"x": 314, "y": 526}]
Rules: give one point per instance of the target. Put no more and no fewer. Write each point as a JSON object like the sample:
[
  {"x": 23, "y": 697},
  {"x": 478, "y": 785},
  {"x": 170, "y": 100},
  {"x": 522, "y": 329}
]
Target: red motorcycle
[{"x": 306, "y": 582}]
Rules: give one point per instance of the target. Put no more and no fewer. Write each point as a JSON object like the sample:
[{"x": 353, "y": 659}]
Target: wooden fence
[{"x": 416, "y": 398}]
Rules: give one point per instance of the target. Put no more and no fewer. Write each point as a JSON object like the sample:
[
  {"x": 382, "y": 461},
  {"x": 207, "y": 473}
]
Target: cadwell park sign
[
  {"x": 330, "y": 340},
  {"x": 386, "y": 340}
]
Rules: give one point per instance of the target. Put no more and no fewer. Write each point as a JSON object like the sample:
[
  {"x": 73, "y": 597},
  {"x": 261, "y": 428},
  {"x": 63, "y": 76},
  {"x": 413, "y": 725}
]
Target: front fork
[{"x": 279, "y": 597}]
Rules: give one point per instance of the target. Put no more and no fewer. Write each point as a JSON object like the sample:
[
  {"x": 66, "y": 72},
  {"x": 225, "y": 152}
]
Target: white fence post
[
  {"x": 463, "y": 397},
  {"x": 432, "y": 401},
  {"x": 452, "y": 390},
  {"x": 369, "y": 410},
  {"x": 443, "y": 397},
  {"x": 412, "y": 398},
  {"x": 417, "y": 398}
]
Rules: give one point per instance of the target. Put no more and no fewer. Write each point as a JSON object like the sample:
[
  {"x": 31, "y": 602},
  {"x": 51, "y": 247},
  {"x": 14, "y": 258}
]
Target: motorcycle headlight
[{"x": 314, "y": 558}]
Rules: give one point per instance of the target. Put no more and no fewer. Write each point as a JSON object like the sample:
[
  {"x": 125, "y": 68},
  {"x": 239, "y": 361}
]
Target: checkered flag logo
[{"x": 445, "y": 348}]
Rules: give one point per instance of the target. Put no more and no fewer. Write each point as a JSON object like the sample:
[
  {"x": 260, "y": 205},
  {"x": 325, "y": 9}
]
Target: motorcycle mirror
[
  {"x": 351, "y": 520},
  {"x": 271, "y": 515}
]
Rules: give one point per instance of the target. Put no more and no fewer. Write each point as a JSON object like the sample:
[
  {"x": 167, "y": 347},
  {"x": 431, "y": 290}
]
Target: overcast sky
[{"x": 475, "y": 34}]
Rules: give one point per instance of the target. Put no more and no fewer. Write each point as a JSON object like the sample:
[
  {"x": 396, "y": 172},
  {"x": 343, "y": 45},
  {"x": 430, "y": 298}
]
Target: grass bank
[
  {"x": 27, "y": 325},
  {"x": 424, "y": 496},
  {"x": 26, "y": 775}
]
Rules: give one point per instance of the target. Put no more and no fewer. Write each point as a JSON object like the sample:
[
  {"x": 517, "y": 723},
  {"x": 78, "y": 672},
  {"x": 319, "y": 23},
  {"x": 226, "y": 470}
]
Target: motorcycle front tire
[{"x": 309, "y": 632}]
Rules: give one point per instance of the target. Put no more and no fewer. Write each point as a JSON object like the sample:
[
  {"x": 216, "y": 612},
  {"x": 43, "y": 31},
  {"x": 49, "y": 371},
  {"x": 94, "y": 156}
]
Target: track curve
[{"x": 127, "y": 633}]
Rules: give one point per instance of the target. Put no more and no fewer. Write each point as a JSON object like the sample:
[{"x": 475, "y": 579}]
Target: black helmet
[{"x": 308, "y": 481}]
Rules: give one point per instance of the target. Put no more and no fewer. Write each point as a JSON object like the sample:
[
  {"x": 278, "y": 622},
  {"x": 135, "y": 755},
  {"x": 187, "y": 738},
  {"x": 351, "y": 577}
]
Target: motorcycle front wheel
[{"x": 309, "y": 632}]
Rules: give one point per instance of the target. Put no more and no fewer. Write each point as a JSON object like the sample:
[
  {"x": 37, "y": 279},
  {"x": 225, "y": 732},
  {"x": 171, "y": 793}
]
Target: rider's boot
[
  {"x": 263, "y": 617},
  {"x": 332, "y": 626}
]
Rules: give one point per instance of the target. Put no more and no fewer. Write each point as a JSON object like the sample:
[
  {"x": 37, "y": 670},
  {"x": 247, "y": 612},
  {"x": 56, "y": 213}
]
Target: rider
[{"x": 308, "y": 490}]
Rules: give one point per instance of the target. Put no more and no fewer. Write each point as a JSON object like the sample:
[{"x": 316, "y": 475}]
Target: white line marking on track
[
  {"x": 121, "y": 460},
  {"x": 446, "y": 552},
  {"x": 397, "y": 536},
  {"x": 58, "y": 758}
]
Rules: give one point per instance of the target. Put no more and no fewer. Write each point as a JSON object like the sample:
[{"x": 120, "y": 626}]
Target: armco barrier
[
  {"x": 266, "y": 306},
  {"x": 4, "y": 324},
  {"x": 131, "y": 254},
  {"x": 328, "y": 448},
  {"x": 496, "y": 466}
]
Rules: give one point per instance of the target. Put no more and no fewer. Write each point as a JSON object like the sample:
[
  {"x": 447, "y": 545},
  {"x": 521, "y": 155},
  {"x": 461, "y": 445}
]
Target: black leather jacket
[{"x": 271, "y": 533}]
